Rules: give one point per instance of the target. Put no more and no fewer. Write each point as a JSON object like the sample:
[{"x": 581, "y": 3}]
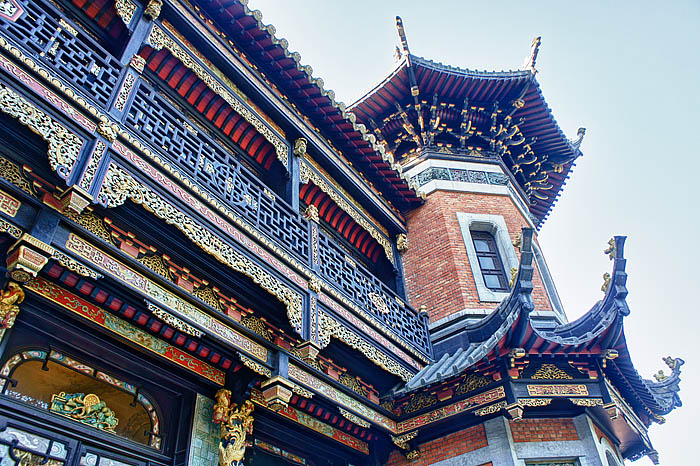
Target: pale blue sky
[{"x": 630, "y": 73}]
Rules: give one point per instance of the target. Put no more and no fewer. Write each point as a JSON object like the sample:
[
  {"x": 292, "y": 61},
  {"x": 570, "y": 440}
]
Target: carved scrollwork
[
  {"x": 236, "y": 424},
  {"x": 118, "y": 186},
  {"x": 87, "y": 409},
  {"x": 64, "y": 146},
  {"x": 125, "y": 10},
  {"x": 9, "y": 305}
]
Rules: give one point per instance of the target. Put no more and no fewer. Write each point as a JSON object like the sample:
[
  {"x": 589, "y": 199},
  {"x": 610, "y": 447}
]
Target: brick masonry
[
  {"x": 543, "y": 430},
  {"x": 437, "y": 270},
  {"x": 444, "y": 448}
]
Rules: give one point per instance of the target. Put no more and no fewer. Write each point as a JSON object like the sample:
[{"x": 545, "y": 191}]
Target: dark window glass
[{"x": 489, "y": 261}]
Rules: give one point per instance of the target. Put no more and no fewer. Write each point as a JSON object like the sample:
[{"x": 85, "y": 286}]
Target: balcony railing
[
  {"x": 61, "y": 45},
  {"x": 53, "y": 40}
]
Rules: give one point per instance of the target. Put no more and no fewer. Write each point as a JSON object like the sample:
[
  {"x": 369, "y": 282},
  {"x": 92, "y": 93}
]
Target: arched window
[{"x": 76, "y": 391}]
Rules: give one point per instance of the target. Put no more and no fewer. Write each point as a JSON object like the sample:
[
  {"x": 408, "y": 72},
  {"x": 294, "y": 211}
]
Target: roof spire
[
  {"x": 534, "y": 50},
  {"x": 402, "y": 35}
]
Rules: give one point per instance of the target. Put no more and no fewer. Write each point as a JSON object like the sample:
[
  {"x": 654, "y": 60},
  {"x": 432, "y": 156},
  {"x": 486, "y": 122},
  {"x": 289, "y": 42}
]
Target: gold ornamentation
[
  {"x": 610, "y": 250},
  {"x": 64, "y": 146},
  {"x": 129, "y": 81},
  {"x": 158, "y": 39},
  {"x": 491, "y": 409},
  {"x": 379, "y": 303},
  {"x": 557, "y": 390},
  {"x": 606, "y": 282},
  {"x": 68, "y": 28},
  {"x": 472, "y": 382},
  {"x": 236, "y": 424},
  {"x": 255, "y": 366},
  {"x": 13, "y": 174},
  {"x": 277, "y": 391},
  {"x": 257, "y": 325},
  {"x": 518, "y": 241},
  {"x": 311, "y": 213},
  {"x": 534, "y": 401},
  {"x": 419, "y": 401},
  {"x": 8, "y": 204},
  {"x": 174, "y": 321},
  {"x": 7, "y": 227},
  {"x": 207, "y": 295},
  {"x": 94, "y": 162},
  {"x": 402, "y": 242},
  {"x": 108, "y": 130},
  {"x": 513, "y": 275},
  {"x": 315, "y": 284},
  {"x": 550, "y": 372},
  {"x": 413, "y": 455},
  {"x": 75, "y": 266},
  {"x": 329, "y": 327},
  {"x": 152, "y": 10},
  {"x": 27, "y": 257},
  {"x": 119, "y": 185},
  {"x": 401, "y": 441},
  {"x": 353, "y": 384},
  {"x": 325, "y": 183},
  {"x": 93, "y": 224},
  {"x": 75, "y": 199},
  {"x": 125, "y": 10},
  {"x": 87, "y": 409},
  {"x": 355, "y": 419},
  {"x": 9, "y": 305},
  {"x": 300, "y": 147},
  {"x": 138, "y": 63},
  {"x": 587, "y": 402},
  {"x": 156, "y": 263}
]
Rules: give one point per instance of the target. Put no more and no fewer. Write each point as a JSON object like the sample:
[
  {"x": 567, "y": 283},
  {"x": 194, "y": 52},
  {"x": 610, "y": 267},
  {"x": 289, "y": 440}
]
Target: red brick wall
[
  {"x": 543, "y": 430},
  {"x": 444, "y": 448},
  {"x": 436, "y": 267}
]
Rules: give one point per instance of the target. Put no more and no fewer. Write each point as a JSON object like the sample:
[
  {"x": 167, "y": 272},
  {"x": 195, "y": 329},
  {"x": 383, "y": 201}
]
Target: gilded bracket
[
  {"x": 27, "y": 257},
  {"x": 236, "y": 424}
]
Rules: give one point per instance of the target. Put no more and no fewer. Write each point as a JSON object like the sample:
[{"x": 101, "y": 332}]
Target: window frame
[
  {"x": 496, "y": 226},
  {"x": 493, "y": 254}
]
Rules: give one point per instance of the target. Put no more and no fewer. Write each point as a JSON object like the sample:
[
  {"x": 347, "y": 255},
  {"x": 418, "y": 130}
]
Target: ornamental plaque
[{"x": 557, "y": 390}]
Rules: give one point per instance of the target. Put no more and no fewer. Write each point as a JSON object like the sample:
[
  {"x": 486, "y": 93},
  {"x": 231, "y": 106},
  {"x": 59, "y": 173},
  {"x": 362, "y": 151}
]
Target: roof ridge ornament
[
  {"x": 402, "y": 36},
  {"x": 534, "y": 50}
]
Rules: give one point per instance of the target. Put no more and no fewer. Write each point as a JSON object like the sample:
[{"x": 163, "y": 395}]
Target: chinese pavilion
[{"x": 209, "y": 260}]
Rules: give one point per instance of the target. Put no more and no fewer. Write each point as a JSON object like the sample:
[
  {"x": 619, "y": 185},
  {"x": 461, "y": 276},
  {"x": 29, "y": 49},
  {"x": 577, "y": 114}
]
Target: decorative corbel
[
  {"x": 27, "y": 257},
  {"x": 308, "y": 351},
  {"x": 277, "y": 392},
  {"x": 236, "y": 423},
  {"x": 75, "y": 199},
  {"x": 515, "y": 410},
  {"x": 311, "y": 213},
  {"x": 401, "y": 242},
  {"x": 153, "y": 8},
  {"x": 401, "y": 441},
  {"x": 300, "y": 147}
]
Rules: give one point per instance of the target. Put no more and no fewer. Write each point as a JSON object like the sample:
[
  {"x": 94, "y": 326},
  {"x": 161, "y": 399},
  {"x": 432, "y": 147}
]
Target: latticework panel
[
  {"x": 369, "y": 293},
  {"x": 46, "y": 33},
  {"x": 215, "y": 169}
]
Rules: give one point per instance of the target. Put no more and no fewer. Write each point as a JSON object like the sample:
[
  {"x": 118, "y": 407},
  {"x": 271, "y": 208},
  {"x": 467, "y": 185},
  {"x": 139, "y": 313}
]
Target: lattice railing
[
  {"x": 205, "y": 162},
  {"x": 52, "y": 39},
  {"x": 369, "y": 293}
]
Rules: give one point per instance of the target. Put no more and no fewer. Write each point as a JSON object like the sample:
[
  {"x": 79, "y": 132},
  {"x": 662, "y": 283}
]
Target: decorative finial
[
  {"x": 606, "y": 282},
  {"x": 402, "y": 35},
  {"x": 534, "y": 50},
  {"x": 610, "y": 250},
  {"x": 576, "y": 143}
]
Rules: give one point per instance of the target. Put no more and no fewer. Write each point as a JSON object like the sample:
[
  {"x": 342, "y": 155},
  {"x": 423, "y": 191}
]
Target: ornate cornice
[
  {"x": 159, "y": 39},
  {"x": 310, "y": 171},
  {"x": 119, "y": 185},
  {"x": 64, "y": 146}
]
